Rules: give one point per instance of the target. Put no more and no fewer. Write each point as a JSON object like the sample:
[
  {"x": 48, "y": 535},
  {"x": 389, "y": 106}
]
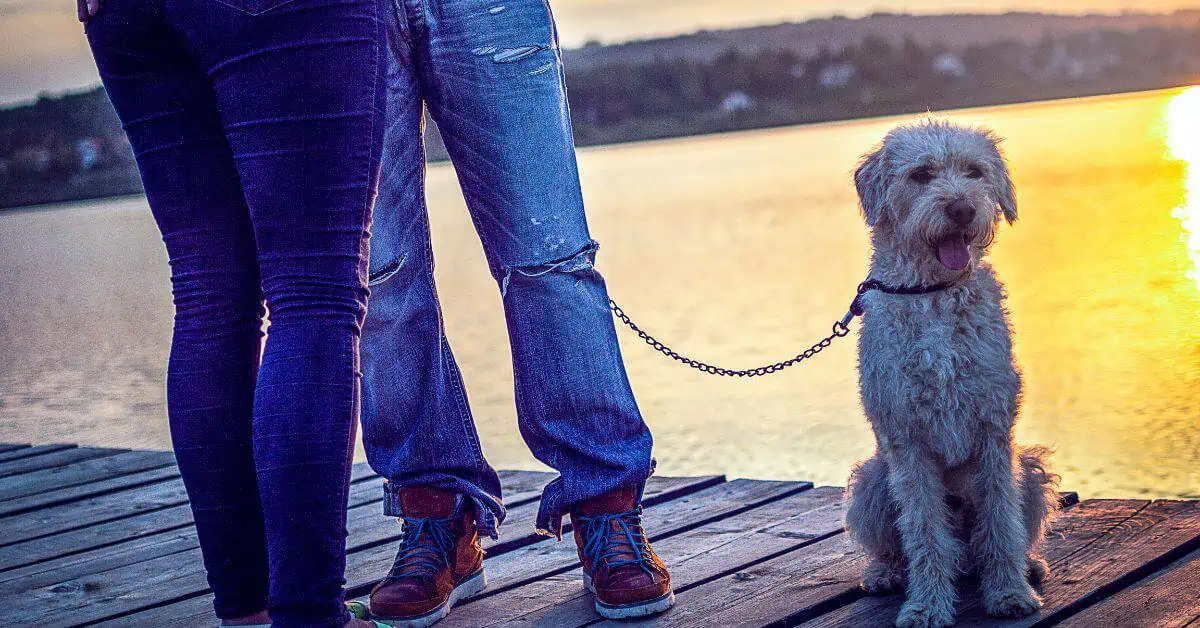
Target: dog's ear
[
  {"x": 1007, "y": 193},
  {"x": 871, "y": 186}
]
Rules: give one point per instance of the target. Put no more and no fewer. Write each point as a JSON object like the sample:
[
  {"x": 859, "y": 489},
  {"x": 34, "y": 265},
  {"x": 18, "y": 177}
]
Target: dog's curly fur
[{"x": 947, "y": 491}]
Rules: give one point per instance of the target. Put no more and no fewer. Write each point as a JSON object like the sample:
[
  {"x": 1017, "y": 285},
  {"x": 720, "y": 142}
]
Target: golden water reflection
[
  {"x": 1183, "y": 141},
  {"x": 741, "y": 249}
]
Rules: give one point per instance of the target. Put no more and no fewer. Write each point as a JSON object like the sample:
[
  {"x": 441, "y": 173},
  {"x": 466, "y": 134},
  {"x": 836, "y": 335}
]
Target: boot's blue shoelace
[
  {"x": 426, "y": 548},
  {"x": 603, "y": 545}
]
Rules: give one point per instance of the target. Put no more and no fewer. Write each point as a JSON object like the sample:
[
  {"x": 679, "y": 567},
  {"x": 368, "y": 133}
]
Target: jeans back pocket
[{"x": 255, "y": 7}]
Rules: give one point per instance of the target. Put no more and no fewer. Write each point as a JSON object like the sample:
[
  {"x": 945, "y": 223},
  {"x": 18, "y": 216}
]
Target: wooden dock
[{"x": 104, "y": 536}]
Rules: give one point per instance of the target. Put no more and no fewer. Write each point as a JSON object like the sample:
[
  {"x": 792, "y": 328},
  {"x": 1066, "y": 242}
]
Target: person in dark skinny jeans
[{"x": 257, "y": 128}]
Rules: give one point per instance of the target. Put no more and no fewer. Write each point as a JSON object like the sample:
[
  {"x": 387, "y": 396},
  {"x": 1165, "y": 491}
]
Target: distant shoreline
[
  {"x": 898, "y": 114},
  {"x": 110, "y": 183},
  {"x": 58, "y": 198},
  {"x": 70, "y": 147}
]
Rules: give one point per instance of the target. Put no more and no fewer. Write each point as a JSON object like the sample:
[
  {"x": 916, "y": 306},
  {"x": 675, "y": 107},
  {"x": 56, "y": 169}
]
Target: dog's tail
[{"x": 1039, "y": 488}]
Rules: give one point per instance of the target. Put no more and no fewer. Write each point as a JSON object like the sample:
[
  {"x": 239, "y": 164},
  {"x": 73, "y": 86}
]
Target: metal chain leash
[{"x": 840, "y": 330}]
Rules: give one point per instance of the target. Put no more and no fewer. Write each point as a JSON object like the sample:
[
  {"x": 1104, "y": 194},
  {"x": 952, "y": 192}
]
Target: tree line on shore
[
  {"x": 668, "y": 97},
  {"x": 71, "y": 146}
]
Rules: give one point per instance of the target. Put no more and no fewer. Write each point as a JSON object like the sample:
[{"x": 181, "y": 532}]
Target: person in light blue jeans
[{"x": 490, "y": 73}]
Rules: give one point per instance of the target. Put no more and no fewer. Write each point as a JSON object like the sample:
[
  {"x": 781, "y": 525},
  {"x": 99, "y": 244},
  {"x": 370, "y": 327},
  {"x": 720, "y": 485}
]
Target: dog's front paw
[
  {"x": 1039, "y": 570},
  {"x": 920, "y": 615},
  {"x": 882, "y": 578},
  {"x": 1018, "y": 603}
]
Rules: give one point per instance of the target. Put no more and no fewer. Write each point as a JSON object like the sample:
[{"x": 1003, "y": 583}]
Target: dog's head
[{"x": 935, "y": 193}]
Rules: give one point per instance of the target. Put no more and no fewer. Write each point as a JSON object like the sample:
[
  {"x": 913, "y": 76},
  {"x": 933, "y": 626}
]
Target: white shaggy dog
[{"x": 947, "y": 491}]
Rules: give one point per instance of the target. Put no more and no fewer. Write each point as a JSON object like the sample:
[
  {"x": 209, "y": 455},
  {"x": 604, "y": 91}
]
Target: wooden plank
[
  {"x": 84, "y": 472},
  {"x": 6, "y": 447},
  {"x": 126, "y": 541},
  {"x": 662, "y": 522},
  {"x": 130, "y": 515},
  {"x": 91, "y": 511},
  {"x": 363, "y": 516},
  {"x": 796, "y": 584},
  {"x": 53, "y": 459},
  {"x": 148, "y": 583},
  {"x": 20, "y": 581},
  {"x": 1076, "y": 528},
  {"x": 723, "y": 544},
  {"x": 808, "y": 580},
  {"x": 1161, "y": 533},
  {"x": 91, "y": 537},
  {"x": 1166, "y": 599},
  {"x": 17, "y": 582},
  {"x": 366, "y": 566},
  {"x": 773, "y": 556},
  {"x": 72, "y": 494},
  {"x": 37, "y": 450}
]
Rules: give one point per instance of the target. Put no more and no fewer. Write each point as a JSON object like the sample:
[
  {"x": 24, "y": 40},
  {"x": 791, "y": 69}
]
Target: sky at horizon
[{"x": 42, "y": 48}]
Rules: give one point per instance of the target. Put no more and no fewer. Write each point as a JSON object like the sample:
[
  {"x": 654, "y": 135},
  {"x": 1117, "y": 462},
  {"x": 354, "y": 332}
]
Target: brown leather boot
[
  {"x": 619, "y": 567},
  {"x": 439, "y": 562}
]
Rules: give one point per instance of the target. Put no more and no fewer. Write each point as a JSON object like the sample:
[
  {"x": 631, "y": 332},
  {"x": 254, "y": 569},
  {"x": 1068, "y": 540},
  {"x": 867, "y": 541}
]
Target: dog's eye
[
  {"x": 974, "y": 172},
  {"x": 922, "y": 175}
]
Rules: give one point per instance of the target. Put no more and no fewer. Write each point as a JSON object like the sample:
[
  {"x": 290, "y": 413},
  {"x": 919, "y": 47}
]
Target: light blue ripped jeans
[{"x": 491, "y": 73}]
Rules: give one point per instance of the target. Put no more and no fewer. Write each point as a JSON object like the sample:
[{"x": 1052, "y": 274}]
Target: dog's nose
[{"x": 961, "y": 212}]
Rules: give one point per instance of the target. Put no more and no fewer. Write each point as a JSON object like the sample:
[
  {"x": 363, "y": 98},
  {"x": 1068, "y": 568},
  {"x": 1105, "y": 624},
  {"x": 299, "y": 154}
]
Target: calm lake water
[{"x": 740, "y": 249}]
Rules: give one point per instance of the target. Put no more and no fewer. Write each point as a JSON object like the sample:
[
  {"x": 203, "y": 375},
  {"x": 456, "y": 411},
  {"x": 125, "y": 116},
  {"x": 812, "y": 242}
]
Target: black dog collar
[{"x": 856, "y": 306}]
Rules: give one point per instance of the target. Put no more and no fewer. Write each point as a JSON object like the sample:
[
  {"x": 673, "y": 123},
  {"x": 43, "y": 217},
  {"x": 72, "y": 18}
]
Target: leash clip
[
  {"x": 845, "y": 322},
  {"x": 842, "y": 327},
  {"x": 856, "y": 306}
]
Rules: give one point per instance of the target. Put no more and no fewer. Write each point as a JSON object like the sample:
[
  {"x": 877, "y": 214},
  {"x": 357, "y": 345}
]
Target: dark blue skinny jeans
[{"x": 257, "y": 127}]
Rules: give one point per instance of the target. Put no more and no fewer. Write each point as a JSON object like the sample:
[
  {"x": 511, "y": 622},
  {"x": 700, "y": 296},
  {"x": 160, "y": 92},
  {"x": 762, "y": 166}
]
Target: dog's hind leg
[
  {"x": 999, "y": 539},
  {"x": 1039, "y": 504},
  {"x": 871, "y": 521},
  {"x": 932, "y": 552}
]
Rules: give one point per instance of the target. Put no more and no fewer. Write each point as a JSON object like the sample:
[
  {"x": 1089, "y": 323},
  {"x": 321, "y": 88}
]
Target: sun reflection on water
[{"x": 1183, "y": 141}]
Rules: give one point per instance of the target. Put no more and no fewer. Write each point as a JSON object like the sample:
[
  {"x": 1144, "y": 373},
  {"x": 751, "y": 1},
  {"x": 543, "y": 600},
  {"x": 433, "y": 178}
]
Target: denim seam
[
  {"x": 553, "y": 23},
  {"x": 460, "y": 400},
  {"x": 374, "y": 156},
  {"x": 464, "y": 415},
  {"x": 364, "y": 268},
  {"x": 402, "y": 21},
  {"x": 375, "y": 143},
  {"x": 548, "y": 502},
  {"x": 375, "y": 147},
  {"x": 425, "y": 64}
]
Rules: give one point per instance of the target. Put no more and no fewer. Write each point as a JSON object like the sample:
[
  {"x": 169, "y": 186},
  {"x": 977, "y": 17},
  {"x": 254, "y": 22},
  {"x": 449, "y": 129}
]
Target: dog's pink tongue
[{"x": 953, "y": 253}]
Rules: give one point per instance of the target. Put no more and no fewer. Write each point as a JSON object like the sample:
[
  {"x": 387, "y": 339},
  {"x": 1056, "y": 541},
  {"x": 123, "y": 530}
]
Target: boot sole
[
  {"x": 629, "y": 611},
  {"x": 465, "y": 589}
]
